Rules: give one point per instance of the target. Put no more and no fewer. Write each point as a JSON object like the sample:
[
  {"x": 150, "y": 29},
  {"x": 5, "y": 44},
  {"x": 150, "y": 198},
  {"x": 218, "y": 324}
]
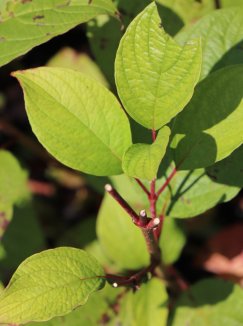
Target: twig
[
  {"x": 143, "y": 187},
  {"x": 166, "y": 182},
  {"x": 122, "y": 203}
]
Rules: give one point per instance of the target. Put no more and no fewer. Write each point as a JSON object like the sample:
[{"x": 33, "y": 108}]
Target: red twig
[
  {"x": 143, "y": 187},
  {"x": 153, "y": 135},
  {"x": 122, "y": 203},
  {"x": 166, "y": 182}
]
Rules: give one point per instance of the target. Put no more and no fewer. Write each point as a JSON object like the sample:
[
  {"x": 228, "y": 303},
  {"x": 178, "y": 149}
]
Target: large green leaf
[
  {"x": 172, "y": 240},
  {"x": 209, "y": 129},
  {"x": 104, "y": 33},
  {"x": 142, "y": 160},
  {"x": 48, "y": 284},
  {"x": 210, "y": 302},
  {"x": 98, "y": 305},
  {"x": 146, "y": 307},
  {"x": 121, "y": 240},
  {"x": 76, "y": 118},
  {"x": 27, "y": 23},
  {"x": 220, "y": 33},
  {"x": 191, "y": 193},
  {"x": 230, "y": 170},
  {"x": 155, "y": 77}
]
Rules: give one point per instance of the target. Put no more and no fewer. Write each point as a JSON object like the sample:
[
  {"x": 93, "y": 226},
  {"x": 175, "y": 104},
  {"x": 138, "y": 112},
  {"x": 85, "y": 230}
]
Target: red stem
[
  {"x": 123, "y": 203},
  {"x": 153, "y": 135},
  {"x": 143, "y": 187},
  {"x": 166, "y": 182},
  {"x": 153, "y": 199}
]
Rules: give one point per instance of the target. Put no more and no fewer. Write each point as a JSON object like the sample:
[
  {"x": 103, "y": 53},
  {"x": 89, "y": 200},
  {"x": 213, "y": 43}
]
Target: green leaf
[
  {"x": 231, "y": 3},
  {"x": 189, "y": 10},
  {"x": 230, "y": 170},
  {"x": 172, "y": 241},
  {"x": 69, "y": 58},
  {"x": 91, "y": 314},
  {"x": 25, "y": 24},
  {"x": 220, "y": 31},
  {"x": 210, "y": 302},
  {"x": 146, "y": 307},
  {"x": 192, "y": 193},
  {"x": 22, "y": 238},
  {"x": 212, "y": 121},
  {"x": 77, "y": 119},
  {"x": 121, "y": 240},
  {"x": 13, "y": 179},
  {"x": 155, "y": 77},
  {"x": 143, "y": 160},
  {"x": 104, "y": 32},
  {"x": 48, "y": 284}
]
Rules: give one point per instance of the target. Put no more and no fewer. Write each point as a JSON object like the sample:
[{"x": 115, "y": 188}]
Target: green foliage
[
  {"x": 181, "y": 171},
  {"x": 220, "y": 33},
  {"x": 230, "y": 170},
  {"x": 118, "y": 235},
  {"x": 192, "y": 193},
  {"x": 98, "y": 305},
  {"x": 171, "y": 248},
  {"x": 88, "y": 111},
  {"x": 25, "y": 24},
  {"x": 61, "y": 280},
  {"x": 12, "y": 175},
  {"x": 208, "y": 121},
  {"x": 212, "y": 302},
  {"x": 155, "y": 77},
  {"x": 69, "y": 58},
  {"x": 22, "y": 238},
  {"x": 142, "y": 160},
  {"x": 146, "y": 307},
  {"x": 13, "y": 187}
]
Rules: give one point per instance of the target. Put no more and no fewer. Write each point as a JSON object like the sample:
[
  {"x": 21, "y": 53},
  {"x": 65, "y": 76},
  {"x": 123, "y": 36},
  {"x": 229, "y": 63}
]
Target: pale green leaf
[
  {"x": 69, "y": 58},
  {"x": 172, "y": 240},
  {"x": 77, "y": 119},
  {"x": 220, "y": 31},
  {"x": 189, "y": 10},
  {"x": 25, "y": 24},
  {"x": 121, "y": 240},
  {"x": 13, "y": 179},
  {"x": 91, "y": 314},
  {"x": 230, "y": 170},
  {"x": 230, "y": 3},
  {"x": 210, "y": 302},
  {"x": 142, "y": 160},
  {"x": 191, "y": 193},
  {"x": 155, "y": 77},
  {"x": 49, "y": 284},
  {"x": 209, "y": 129},
  {"x": 146, "y": 307},
  {"x": 104, "y": 33}
]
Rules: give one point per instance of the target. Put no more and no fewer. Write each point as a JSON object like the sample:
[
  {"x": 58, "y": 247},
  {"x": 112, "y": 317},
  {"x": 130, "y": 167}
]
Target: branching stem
[{"x": 167, "y": 182}]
